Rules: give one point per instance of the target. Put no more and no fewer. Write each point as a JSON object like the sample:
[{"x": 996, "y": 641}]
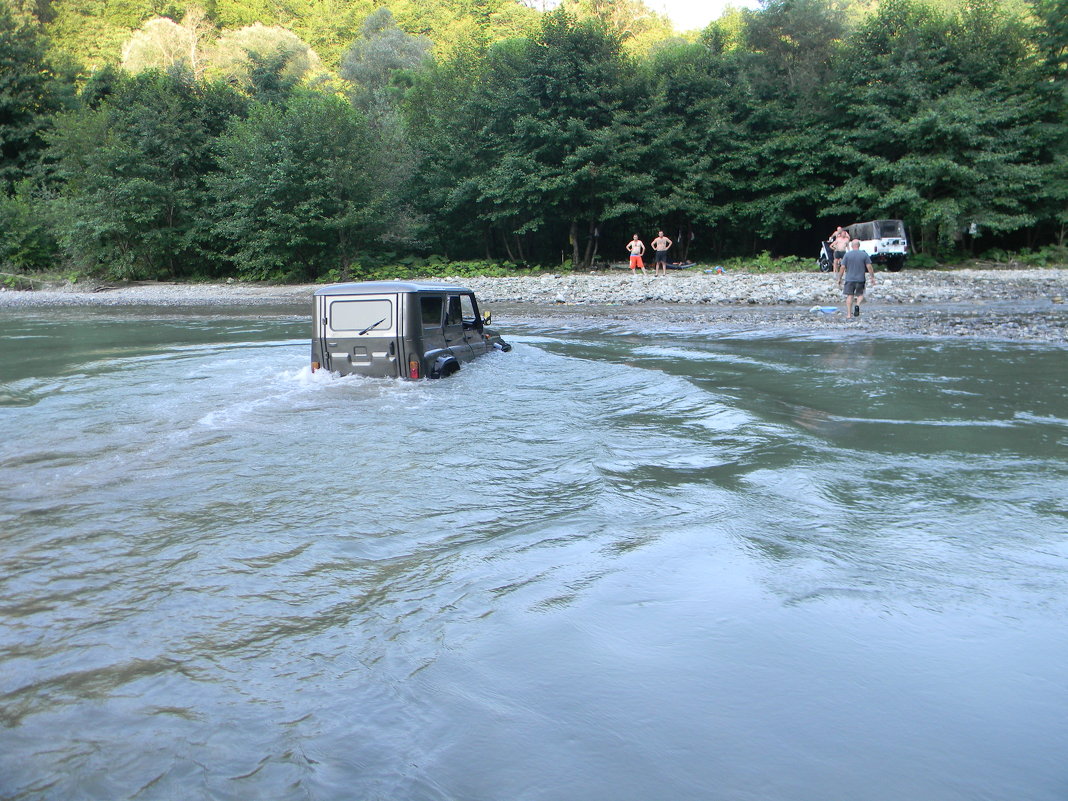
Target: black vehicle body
[{"x": 399, "y": 329}]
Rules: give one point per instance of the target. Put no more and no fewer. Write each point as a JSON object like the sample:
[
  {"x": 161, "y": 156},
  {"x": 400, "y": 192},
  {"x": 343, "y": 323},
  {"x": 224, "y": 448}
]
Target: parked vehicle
[
  {"x": 885, "y": 242},
  {"x": 395, "y": 329}
]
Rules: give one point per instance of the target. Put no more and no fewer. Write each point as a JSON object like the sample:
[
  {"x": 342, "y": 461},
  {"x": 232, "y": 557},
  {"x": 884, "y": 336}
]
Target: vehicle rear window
[
  {"x": 360, "y": 315},
  {"x": 889, "y": 228},
  {"x": 431, "y": 307}
]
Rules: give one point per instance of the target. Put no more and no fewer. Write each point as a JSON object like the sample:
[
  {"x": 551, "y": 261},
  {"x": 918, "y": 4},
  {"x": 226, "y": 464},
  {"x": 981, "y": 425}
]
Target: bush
[
  {"x": 764, "y": 262},
  {"x": 921, "y": 261},
  {"x": 1050, "y": 256},
  {"x": 26, "y": 242}
]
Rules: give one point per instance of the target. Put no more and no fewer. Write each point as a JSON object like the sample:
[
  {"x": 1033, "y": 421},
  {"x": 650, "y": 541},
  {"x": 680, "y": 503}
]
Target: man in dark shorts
[
  {"x": 855, "y": 267},
  {"x": 839, "y": 241},
  {"x": 661, "y": 246}
]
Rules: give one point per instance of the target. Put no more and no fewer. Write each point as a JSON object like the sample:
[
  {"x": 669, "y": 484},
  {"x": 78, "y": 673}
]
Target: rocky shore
[{"x": 1003, "y": 304}]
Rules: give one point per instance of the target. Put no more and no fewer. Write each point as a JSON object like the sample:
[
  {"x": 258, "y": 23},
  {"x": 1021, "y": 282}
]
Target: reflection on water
[{"x": 605, "y": 565}]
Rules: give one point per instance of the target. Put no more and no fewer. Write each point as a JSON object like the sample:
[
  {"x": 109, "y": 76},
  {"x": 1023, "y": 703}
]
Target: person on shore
[
  {"x": 839, "y": 245},
  {"x": 637, "y": 250},
  {"x": 856, "y": 265},
  {"x": 661, "y": 246}
]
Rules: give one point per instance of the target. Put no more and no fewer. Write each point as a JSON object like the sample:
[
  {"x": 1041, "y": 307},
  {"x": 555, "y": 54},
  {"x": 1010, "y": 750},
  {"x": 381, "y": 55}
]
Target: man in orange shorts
[{"x": 637, "y": 250}]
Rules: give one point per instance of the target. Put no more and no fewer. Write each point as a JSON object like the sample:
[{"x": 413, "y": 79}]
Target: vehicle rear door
[{"x": 363, "y": 330}]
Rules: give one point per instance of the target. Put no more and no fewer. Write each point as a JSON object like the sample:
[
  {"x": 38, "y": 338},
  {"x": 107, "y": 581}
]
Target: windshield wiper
[{"x": 372, "y": 325}]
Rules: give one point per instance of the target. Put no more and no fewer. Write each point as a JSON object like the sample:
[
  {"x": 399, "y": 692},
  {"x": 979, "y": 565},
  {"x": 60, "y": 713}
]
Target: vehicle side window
[
  {"x": 454, "y": 316},
  {"x": 470, "y": 310},
  {"x": 431, "y": 311}
]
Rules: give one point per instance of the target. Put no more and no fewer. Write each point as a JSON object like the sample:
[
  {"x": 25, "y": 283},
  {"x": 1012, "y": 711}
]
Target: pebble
[{"x": 1013, "y": 304}]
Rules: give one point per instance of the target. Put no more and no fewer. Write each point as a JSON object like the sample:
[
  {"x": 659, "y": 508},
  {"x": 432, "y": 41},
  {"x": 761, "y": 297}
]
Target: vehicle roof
[{"x": 387, "y": 287}]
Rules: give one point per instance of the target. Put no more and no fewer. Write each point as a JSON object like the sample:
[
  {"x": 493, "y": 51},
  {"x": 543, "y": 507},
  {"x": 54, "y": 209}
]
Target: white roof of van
[{"x": 387, "y": 287}]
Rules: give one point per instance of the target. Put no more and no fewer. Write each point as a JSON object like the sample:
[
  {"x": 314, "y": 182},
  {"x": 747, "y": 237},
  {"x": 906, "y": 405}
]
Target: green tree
[
  {"x": 942, "y": 122},
  {"x": 30, "y": 94},
  {"x": 163, "y": 44},
  {"x": 294, "y": 197},
  {"x": 255, "y": 56},
  {"x": 779, "y": 99},
  {"x": 26, "y": 240},
  {"x": 1051, "y": 88},
  {"x": 133, "y": 174},
  {"x": 93, "y": 31},
  {"x": 442, "y": 128},
  {"x": 696, "y": 139},
  {"x": 559, "y": 150}
]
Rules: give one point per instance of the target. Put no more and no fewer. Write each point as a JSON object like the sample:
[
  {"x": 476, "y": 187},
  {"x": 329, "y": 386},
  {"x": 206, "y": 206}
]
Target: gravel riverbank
[{"x": 1010, "y": 304}]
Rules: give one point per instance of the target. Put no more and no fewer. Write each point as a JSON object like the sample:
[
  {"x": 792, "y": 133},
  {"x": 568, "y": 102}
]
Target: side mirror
[{"x": 487, "y": 318}]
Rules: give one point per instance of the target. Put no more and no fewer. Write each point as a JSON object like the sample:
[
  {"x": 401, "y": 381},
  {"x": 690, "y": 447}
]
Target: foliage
[
  {"x": 535, "y": 139},
  {"x": 162, "y": 44},
  {"x": 381, "y": 51},
  {"x": 488, "y": 130},
  {"x": 428, "y": 267},
  {"x": 30, "y": 93},
  {"x": 133, "y": 174},
  {"x": 293, "y": 197},
  {"x": 764, "y": 262},
  {"x": 943, "y": 129},
  {"x": 1050, "y": 256},
  {"x": 26, "y": 240},
  {"x": 250, "y": 56}
]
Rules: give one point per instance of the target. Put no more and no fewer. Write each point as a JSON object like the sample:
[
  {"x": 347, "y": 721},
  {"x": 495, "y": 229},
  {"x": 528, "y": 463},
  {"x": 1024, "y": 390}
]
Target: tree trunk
[
  {"x": 574, "y": 244},
  {"x": 593, "y": 244}
]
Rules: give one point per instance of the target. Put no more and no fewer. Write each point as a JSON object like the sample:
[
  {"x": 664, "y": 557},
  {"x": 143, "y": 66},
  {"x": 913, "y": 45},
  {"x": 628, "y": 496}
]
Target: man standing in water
[
  {"x": 661, "y": 246},
  {"x": 636, "y": 248},
  {"x": 855, "y": 267}
]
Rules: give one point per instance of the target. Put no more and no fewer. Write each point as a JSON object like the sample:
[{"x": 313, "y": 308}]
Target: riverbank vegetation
[{"x": 148, "y": 141}]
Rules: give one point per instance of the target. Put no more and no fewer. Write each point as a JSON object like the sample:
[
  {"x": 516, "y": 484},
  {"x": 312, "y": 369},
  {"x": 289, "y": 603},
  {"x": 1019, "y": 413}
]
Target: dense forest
[{"x": 311, "y": 139}]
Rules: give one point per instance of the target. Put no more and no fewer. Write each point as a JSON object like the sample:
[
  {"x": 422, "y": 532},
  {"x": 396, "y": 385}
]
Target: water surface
[{"x": 610, "y": 564}]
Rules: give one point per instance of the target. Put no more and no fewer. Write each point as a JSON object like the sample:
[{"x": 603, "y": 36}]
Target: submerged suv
[
  {"x": 884, "y": 241},
  {"x": 395, "y": 329}
]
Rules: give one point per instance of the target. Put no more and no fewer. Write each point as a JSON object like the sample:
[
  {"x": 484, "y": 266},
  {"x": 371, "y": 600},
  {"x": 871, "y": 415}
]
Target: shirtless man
[
  {"x": 661, "y": 246},
  {"x": 839, "y": 244},
  {"x": 636, "y": 248}
]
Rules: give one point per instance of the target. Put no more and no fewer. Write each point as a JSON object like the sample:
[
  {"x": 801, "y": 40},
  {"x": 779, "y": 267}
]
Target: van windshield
[
  {"x": 361, "y": 315},
  {"x": 470, "y": 313}
]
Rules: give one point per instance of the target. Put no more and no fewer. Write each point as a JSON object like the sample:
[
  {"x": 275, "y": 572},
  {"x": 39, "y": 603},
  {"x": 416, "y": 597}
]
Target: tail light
[
  {"x": 315, "y": 366},
  {"x": 413, "y": 368}
]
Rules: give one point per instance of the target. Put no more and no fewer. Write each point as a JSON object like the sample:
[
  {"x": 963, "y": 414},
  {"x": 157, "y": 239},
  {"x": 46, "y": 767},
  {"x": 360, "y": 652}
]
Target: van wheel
[
  {"x": 444, "y": 367},
  {"x": 895, "y": 265}
]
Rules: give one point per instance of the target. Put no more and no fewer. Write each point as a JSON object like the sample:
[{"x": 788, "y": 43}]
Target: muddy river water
[{"x": 611, "y": 564}]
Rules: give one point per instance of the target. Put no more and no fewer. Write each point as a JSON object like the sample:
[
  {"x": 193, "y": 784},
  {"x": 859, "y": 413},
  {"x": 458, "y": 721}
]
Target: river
[{"x": 614, "y": 563}]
